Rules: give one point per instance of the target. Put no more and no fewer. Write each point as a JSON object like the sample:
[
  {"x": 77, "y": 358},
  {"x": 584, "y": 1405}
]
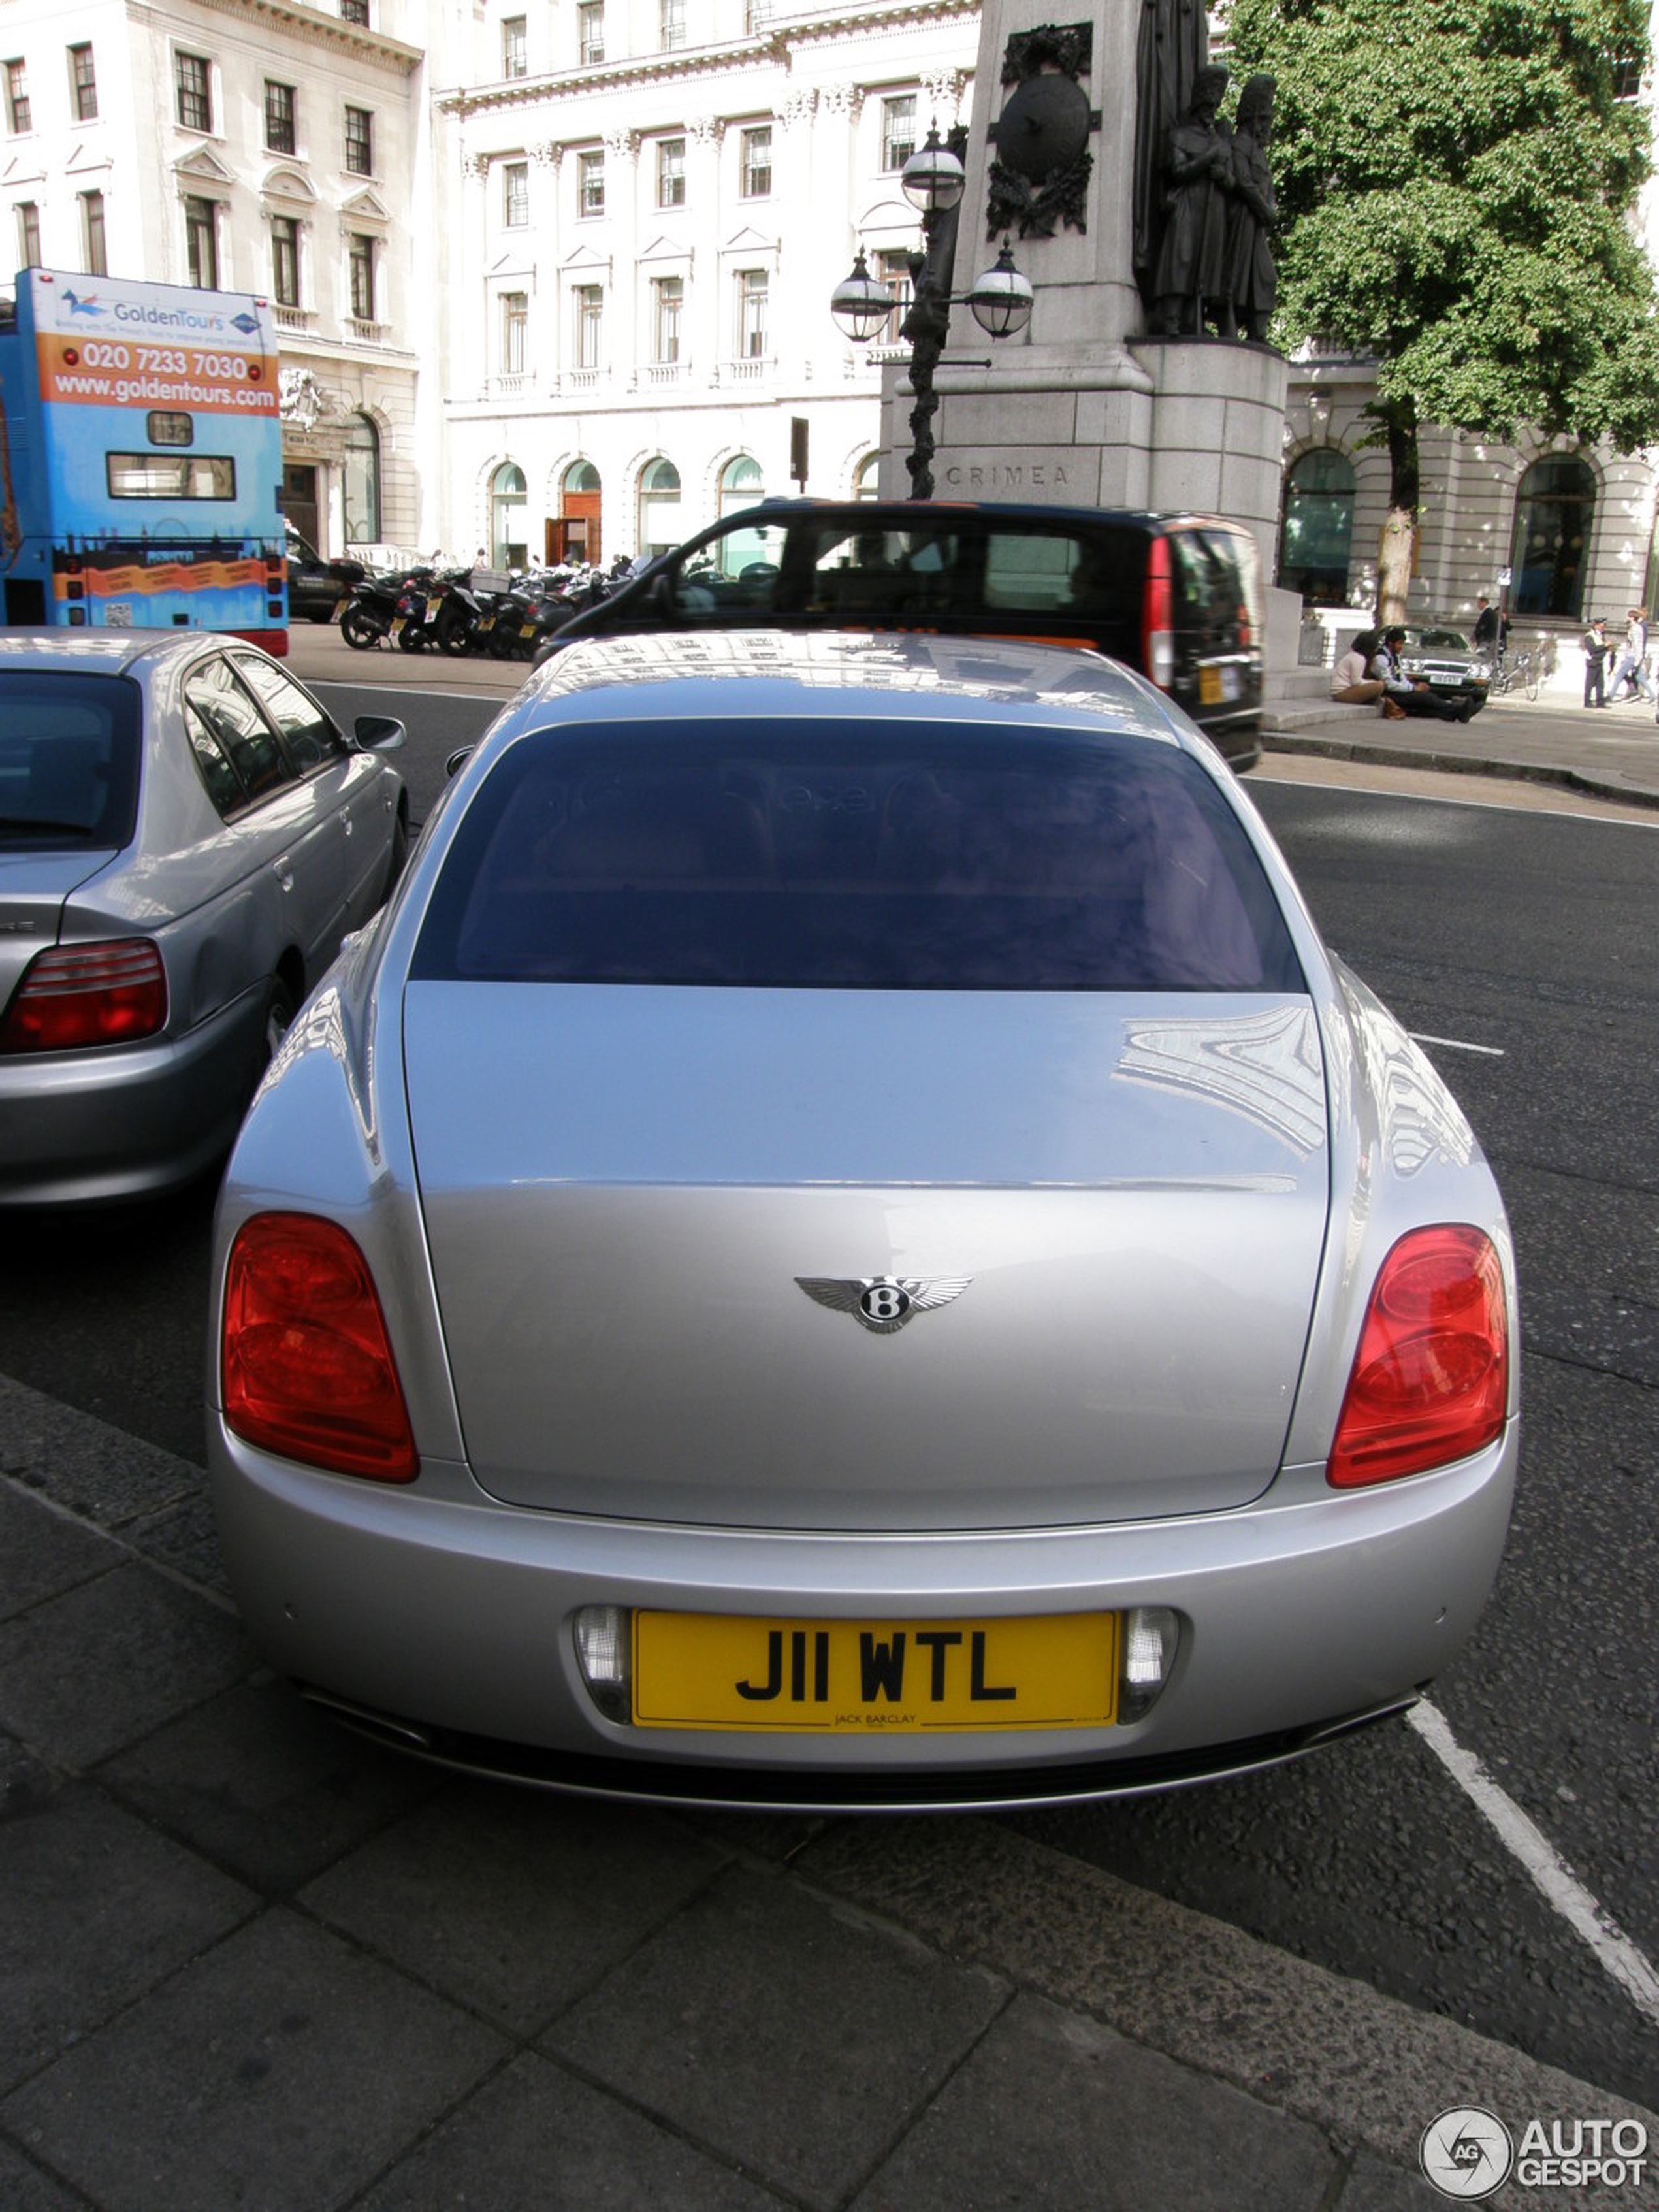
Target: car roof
[
  {"x": 1010, "y": 512},
  {"x": 103, "y": 652},
  {"x": 838, "y": 673}
]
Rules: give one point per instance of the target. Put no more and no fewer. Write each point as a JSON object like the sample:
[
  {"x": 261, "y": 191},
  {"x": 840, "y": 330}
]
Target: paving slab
[
  {"x": 46, "y": 1552},
  {"x": 792, "y": 2037},
  {"x": 283, "y": 2069},
  {"x": 1049, "y": 2113},
  {"x": 511, "y": 1902}
]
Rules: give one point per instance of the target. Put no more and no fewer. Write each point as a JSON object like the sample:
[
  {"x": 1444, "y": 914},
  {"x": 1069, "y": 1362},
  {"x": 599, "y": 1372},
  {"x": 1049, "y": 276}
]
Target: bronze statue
[
  {"x": 1172, "y": 46},
  {"x": 1197, "y": 174},
  {"x": 1251, "y": 287}
]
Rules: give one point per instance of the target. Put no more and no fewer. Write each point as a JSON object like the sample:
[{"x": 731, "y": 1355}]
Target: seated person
[
  {"x": 1352, "y": 683},
  {"x": 1409, "y": 695}
]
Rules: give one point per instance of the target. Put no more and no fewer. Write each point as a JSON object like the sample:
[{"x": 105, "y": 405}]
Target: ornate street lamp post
[{"x": 933, "y": 181}]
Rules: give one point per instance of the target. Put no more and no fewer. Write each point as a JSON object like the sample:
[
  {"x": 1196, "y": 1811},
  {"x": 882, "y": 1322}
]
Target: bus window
[{"x": 171, "y": 476}]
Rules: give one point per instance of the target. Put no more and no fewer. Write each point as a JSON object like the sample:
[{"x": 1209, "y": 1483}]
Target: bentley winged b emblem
[{"x": 883, "y": 1303}]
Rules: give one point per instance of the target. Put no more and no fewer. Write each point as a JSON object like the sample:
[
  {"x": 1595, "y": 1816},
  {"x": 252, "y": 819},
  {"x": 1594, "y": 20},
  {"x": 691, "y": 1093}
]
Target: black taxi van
[{"x": 1178, "y": 597}]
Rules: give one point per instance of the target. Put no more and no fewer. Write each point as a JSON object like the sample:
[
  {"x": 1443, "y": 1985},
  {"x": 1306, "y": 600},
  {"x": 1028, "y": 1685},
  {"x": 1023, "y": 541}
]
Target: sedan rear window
[
  {"x": 812, "y": 856},
  {"x": 69, "y": 760}
]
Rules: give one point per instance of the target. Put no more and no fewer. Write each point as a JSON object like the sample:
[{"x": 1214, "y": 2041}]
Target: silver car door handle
[
  {"x": 284, "y": 871},
  {"x": 351, "y": 825}
]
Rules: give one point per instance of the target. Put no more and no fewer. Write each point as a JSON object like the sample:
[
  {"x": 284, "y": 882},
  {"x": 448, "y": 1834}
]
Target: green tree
[{"x": 1457, "y": 185}]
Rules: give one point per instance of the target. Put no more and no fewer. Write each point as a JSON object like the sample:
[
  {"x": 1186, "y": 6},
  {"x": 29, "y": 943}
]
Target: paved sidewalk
[
  {"x": 252, "y": 1962},
  {"x": 1612, "y": 752}
]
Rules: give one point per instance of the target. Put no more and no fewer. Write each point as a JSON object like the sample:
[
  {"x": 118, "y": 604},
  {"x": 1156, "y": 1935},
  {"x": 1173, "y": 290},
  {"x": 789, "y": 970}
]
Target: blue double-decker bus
[{"x": 140, "y": 459}]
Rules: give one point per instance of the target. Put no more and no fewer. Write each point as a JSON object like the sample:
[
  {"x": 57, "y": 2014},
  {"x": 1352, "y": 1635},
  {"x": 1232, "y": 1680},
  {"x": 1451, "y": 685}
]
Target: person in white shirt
[
  {"x": 1632, "y": 659},
  {"x": 1352, "y": 683}
]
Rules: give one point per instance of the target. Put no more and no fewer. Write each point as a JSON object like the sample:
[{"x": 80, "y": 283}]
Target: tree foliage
[{"x": 1457, "y": 189}]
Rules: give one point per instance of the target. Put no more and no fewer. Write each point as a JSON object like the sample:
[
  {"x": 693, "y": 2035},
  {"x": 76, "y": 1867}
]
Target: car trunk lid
[
  {"x": 34, "y": 888},
  {"x": 652, "y": 1213}
]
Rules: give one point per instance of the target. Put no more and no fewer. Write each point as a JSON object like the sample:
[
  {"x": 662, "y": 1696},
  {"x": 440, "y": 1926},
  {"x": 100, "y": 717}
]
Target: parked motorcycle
[{"x": 372, "y": 608}]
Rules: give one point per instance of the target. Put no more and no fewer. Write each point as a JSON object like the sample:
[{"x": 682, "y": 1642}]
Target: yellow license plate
[
  {"x": 1209, "y": 687},
  {"x": 873, "y": 1677}
]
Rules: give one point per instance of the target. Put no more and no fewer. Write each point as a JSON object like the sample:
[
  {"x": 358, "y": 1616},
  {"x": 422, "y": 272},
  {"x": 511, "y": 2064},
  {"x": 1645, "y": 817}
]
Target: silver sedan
[
  {"x": 186, "y": 837},
  {"x": 843, "y": 1242}
]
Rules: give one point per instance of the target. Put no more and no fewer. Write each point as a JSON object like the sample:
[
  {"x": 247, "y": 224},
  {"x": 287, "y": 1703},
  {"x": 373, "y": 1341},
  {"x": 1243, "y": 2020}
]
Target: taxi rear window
[{"x": 833, "y": 856}]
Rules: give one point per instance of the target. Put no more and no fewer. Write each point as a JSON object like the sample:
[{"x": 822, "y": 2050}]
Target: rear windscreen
[
  {"x": 68, "y": 760},
  {"x": 847, "y": 856}
]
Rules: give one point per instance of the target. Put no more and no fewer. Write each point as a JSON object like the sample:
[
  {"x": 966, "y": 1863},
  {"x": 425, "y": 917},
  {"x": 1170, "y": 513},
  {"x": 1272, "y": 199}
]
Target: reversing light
[
  {"x": 305, "y": 1360},
  {"x": 77, "y": 995},
  {"x": 604, "y": 1636},
  {"x": 1430, "y": 1382},
  {"x": 1152, "y": 1635}
]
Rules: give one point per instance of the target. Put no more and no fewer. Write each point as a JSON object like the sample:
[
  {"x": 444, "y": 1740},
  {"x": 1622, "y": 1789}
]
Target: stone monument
[{"x": 1143, "y": 228}]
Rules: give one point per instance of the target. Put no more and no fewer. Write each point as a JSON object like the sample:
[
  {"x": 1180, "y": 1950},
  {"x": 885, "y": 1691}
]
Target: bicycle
[{"x": 1514, "y": 673}]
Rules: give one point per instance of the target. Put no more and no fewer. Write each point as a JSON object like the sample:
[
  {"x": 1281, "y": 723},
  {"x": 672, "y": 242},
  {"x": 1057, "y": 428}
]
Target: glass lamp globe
[
  {"x": 933, "y": 179},
  {"x": 1001, "y": 299},
  {"x": 861, "y": 303}
]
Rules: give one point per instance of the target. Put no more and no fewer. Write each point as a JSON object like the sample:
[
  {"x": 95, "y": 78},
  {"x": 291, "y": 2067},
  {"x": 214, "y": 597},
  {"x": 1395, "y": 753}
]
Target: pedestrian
[
  {"x": 1410, "y": 695},
  {"x": 1597, "y": 646},
  {"x": 1486, "y": 626},
  {"x": 1632, "y": 659},
  {"x": 1351, "y": 685}
]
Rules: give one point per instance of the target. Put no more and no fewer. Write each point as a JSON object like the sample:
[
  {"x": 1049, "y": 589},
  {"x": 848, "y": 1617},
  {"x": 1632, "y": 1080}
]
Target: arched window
[
  {"x": 866, "y": 484},
  {"x": 581, "y": 476},
  {"x": 579, "y": 511},
  {"x": 1548, "y": 552},
  {"x": 509, "y": 520},
  {"x": 363, "y": 481},
  {"x": 741, "y": 483},
  {"x": 1318, "y": 528},
  {"x": 659, "y": 506}
]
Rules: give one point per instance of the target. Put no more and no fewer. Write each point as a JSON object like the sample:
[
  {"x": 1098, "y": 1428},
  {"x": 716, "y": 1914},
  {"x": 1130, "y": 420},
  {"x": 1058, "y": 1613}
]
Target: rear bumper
[
  {"x": 446, "y": 1621},
  {"x": 87, "y": 1129}
]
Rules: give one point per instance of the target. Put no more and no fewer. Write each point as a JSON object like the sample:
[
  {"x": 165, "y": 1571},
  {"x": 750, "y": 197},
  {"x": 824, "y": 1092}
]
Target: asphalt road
[{"x": 1529, "y": 942}]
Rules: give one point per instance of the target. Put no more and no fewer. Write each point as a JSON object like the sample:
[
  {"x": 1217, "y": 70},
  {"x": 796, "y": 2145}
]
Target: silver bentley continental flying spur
[{"x": 842, "y": 1242}]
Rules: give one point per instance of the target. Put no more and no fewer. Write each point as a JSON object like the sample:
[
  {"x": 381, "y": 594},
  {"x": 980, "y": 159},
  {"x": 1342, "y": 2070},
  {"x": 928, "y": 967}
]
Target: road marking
[
  {"x": 1543, "y": 1863},
  {"x": 1457, "y": 1044}
]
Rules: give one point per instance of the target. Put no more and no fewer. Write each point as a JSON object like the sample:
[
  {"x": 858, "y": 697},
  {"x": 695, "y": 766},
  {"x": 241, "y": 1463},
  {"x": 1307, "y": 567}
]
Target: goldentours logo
[{"x": 1469, "y": 2154}]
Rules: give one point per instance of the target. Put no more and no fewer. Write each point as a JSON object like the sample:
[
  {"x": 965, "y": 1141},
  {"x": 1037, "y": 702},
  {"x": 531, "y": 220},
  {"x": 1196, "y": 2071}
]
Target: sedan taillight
[
  {"x": 1431, "y": 1378},
  {"x": 87, "y": 994},
  {"x": 304, "y": 1358}
]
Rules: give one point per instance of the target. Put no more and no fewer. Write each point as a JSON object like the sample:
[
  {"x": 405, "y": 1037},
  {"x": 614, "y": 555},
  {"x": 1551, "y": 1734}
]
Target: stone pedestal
[{"x": 1084, "y": 408}]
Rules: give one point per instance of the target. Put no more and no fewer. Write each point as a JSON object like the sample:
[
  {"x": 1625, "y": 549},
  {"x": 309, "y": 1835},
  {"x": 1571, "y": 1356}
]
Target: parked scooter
[{"x": 372, "y": 608}]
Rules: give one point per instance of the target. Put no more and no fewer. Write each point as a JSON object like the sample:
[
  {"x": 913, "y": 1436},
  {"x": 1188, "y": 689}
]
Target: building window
[
  {"x": 659, "y": 506},
  {"x": 361, "y": 256},
  {"x": 670, "y": 173},
  {"x": 515, "y": 46},
  {"x": 515, "y": 194},
  {"x": 590, "y": 324},
  {"x": 590, "y": 28},
  {"x": 28, "y": 234},
  {"x": 194, "y": 91},
  {"x": 355, "y": 11},
  {"x": 363, "y": 481},
  {"x": 752, "y": 313},
  {"x": 741, "y": 483},
  {"x": 360, "y": 142},
  {"x": 670, "y": 24},
  {"x": 1627, "y": 69},
  {"x": 1317, "y": 534},
  {"x": 755, "y": 177},
  {"x": 285, "y": 260},
  {"x": 1554, "y": 509},
  {"x": 279, "y": 117},
  {"x": 590, "y": 170},
  {"x": 667, "y": 297},
  {"x": 894, "y": 271},
  {"x": 898, "y": 130},
  {"x": 94, "y": 257},
  {"x": 510, "y": 540},
  {"x": 515, "y": 324},
  {"x": 19, "y": 115},
  {"x": 202, "y": 243},
  {"x": 83, "y": 85},
  {"x": 866, "y": 484}
]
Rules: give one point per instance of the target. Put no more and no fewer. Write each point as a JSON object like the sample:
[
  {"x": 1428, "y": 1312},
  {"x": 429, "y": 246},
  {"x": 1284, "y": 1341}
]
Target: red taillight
[
  {"x": 1430, "y": 1379},
  {"x": 1158, "y": 617},
  {"x": 306, "y": 1367},
  {"x": 83, "y": 995}
]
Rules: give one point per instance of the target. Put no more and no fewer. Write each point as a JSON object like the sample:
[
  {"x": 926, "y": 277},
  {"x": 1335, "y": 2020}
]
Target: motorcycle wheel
[
  {"x": 411, "y": 640},
  {"x": 454, "y": 631},
  {"x": 360, "y": 630}
]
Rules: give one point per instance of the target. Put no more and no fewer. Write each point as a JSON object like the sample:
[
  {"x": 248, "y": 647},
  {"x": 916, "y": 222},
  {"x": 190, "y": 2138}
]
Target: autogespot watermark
[{"x": 1468, "y": 2152}]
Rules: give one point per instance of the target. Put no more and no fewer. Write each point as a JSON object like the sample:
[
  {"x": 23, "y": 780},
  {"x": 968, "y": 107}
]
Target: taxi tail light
[
  {"x": 305, "y": 1360},
  {"x": 1430, "y": 1382},
  {"x": 1158, "y": 617},
  {"x": 77, "y": 995}
]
